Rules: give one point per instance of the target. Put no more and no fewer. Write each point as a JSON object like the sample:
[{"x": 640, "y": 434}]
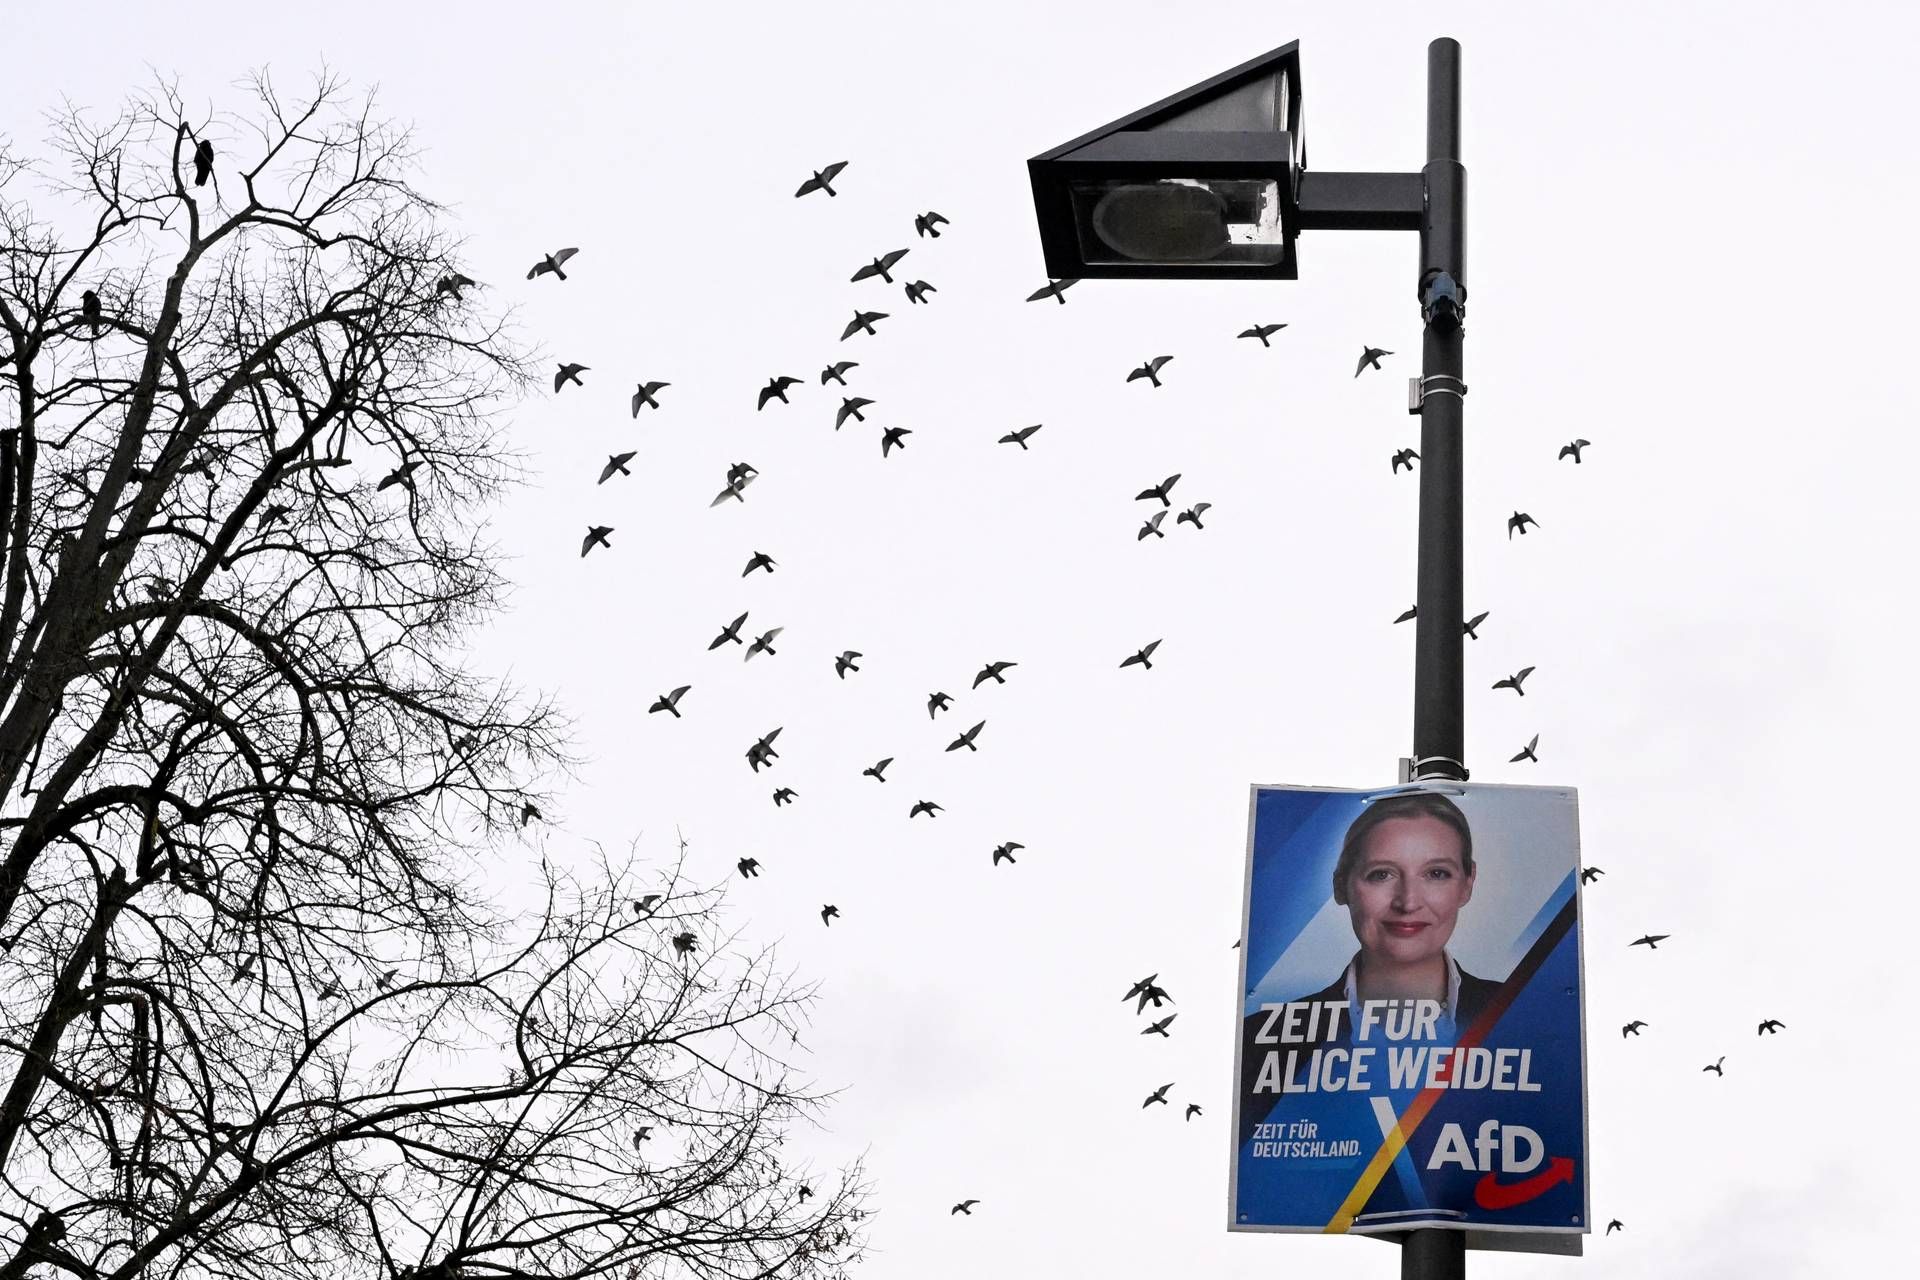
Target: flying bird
[
  {"x": 669, "y": 701},
  {"x": 1160, "y": 1028},
  {"x": 1193, "y": 1109},
  {"x": 643, "y": 395},
  {"x": 453, "y": 282},
  {"x": 850, "y": 407},
  {"x": 966, "y": 739},
  {"x": 1152, "y": 526},
  {"x": 763, "y": 643},
  {"x": 992, "y": 671},
  {"x": 737, "y": 482},
  {"x": 761, "y": 560},
  {"x": 1716, "y": 1067},
  {"x": 940, "y": 701},
  {"x": 552, "y": 263},
  {"x": 878, "y": 772},
  {"x": 749, "y": 867},
  {"x": 1615, "y": 1225},
  {"x": 1150, "y": 370},
  {"x": 927, "y": 807},
  {"x": 616, "y": 462},
  {"x": 641, "y": 1134},
  {"x": 1526, "y": 752},
  {"x": 776, "y": 389},
  {"x": 1262, "y": 332},
  {"x": 568, "y": 373},
  {"x": 202, "y": 163},
  {"x": 1139, "y": 986},
  {"x": 783, "y": 796},
  {"x": 1651, "y": 941},
  {"x": 1408, "y": 616},
  {"x": 402, "y": 474},
  {"x": 928, "y": 223},
  {"x": 1515, "y": 680},
  {"x": 1154, "y": 993},
  {"x": 862, "y": 322},
  {"x": 822, "y": 180},
  {"x": 1158, "y": 1095},
  {"x": 891, "y": 437},
  {"x": 1192, "y": 515},
  {"x": 729, "y": 632},
  {"x": 1772, "y": 1026},
  {"x": 596, "y": 536},
  {"x": 844, "y": 663},
  {"x": 1470, "y": 625},
  {"x": 1006, "y": 851},
  {"x": 385, "y": 980},
  {"x": 740, "y": 472},
  {"x": 1021, "y": 436},
  {"x": 1589, "y": 874},
  {"x": 918, "y": 290},
  {"x": 1632, "y": 1028},
  {"x": 1159, "y": 491},
  {"x": 879, "y": 267},
  {"x": 965, "y": 1206},
  {"x": 805, "y": 1191},
  {"x": 683, "y": 942},
  {"x": 835, "y": 372},
  {"x": 1369, "y": 356},
  {"x": 762, "y": 752},
  {"x": 645, "y": 904},
  {"x": 1055, "y": 289},
  {"x": 1573, "y": 450},
  {"x": 1144, "y": 658},
  {"x": 1405, "y": 458},
  {"x": 827, "y": 913},
  {"x": 1520, "y": 520}
]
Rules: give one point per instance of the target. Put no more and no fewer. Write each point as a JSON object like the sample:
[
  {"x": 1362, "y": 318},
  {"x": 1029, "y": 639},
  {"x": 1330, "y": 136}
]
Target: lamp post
[{"x": 1212, "y": 183}]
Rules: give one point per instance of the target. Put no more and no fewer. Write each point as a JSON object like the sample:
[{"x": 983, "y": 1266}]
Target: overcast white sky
[{"x": 1690, "y": 242}]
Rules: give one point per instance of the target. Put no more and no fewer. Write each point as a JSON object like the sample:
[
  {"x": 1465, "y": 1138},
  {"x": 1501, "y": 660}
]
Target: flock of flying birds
[{"x": 739, "y": 476}]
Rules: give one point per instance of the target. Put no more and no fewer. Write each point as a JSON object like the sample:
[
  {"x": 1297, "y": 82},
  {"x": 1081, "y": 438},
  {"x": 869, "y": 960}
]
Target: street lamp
[{"x": 1212, "y": 183}]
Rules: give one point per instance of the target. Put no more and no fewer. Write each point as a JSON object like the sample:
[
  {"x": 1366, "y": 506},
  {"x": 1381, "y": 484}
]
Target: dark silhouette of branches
[{"x": 260, "y": 1013}]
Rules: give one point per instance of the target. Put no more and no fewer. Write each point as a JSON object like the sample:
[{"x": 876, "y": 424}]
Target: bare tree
[{"x": 261, "y": 1014}]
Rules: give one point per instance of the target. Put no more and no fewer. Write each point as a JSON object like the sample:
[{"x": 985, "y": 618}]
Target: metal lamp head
[{"x": 1162, "y": 222}]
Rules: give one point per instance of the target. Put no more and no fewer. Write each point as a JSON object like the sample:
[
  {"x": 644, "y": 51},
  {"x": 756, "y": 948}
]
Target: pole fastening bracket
[
  {"x": 1422, "y": 772},
  {"x": 1434, "y": 384}
]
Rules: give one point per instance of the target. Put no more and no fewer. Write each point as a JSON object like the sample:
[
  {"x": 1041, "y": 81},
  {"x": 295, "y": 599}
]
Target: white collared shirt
[{"x": 1453, "y": 988}]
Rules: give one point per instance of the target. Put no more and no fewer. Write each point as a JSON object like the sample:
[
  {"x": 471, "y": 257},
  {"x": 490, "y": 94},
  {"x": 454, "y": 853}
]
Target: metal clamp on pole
[
  {"x": 1452, "y": 770},
  {"x": 1433, "y": 384}
]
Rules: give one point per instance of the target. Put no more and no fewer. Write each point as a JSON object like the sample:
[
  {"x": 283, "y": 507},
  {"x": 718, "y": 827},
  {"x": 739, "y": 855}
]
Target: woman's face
[{"x": 1407, "y": 889}]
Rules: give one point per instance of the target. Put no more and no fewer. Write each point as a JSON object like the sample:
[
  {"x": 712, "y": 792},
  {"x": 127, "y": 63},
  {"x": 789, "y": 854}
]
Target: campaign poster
[{"x": 1411, "y": 1050}]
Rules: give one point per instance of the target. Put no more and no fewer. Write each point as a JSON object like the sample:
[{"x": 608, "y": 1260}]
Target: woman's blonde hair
[{"x": 1407, "y": 804}]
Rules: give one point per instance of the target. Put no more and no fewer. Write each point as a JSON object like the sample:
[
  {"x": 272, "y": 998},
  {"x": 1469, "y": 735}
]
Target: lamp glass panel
[{"x": 1193, "y": 221}]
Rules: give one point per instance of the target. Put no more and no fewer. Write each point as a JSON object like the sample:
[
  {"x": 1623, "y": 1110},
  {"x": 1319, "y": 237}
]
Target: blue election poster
[{"x": 1410, "y": 1050}]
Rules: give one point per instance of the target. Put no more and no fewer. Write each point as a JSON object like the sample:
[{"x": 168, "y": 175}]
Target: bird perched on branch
[
  {"x": 90, "y": 310},
  {"x": 202, "y": 162},
  {"x": 1055, "y": 289},
  {"x": 822, "y": 180},
  {"x": 1369, "y": 356},
  {"x": 1262, "y": 332},
  {"x": 928, "y": 224},
  {"x": 1150, "y": 370},
  {"x": 552, "y": 264},
  {"x": 879, "y": 267}
]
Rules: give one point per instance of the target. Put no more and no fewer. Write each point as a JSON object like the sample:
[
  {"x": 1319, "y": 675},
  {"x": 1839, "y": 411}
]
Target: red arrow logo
[{"x": 1490, "y": 1193}]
